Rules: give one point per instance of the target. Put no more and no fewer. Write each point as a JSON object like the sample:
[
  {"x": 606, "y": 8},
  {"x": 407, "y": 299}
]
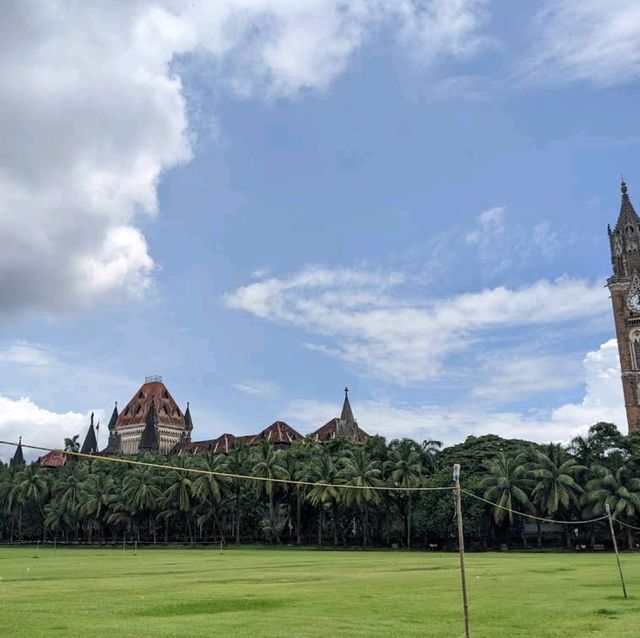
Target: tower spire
[
  {"x": 149, "y": 441},
  {"x": 90, "y": 444},
  {"x": 18, "y": 457},
  {"x": 347, "y": 413}
]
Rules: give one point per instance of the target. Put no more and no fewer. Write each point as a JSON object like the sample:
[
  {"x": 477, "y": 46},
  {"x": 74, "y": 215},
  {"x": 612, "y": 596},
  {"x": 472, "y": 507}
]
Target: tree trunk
[
  {"x": 539, "y": 535},
  {"x": 409, "y": 522},
  {"x": 237, "y": 521},
  {"x": 320, "y": 521},
  {"x": 629, "y": 538},
  {"x": 271, "y": 519},
  {"x": 298, "y": 517},
  {"x": 365, "y": 528}
]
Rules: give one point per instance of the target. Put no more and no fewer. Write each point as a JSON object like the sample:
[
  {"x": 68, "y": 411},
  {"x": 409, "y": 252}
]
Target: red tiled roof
[
  {"x": 330, "y": 430},
  {"x": 166, "y": 408},
  {"x": 222, "y": 445},
  {"x": 53, "y": 459},
  {"x": 279, "y": 433}
]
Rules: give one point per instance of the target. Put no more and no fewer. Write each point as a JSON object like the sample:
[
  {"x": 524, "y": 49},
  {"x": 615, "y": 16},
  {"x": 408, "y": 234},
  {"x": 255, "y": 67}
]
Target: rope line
[
  {"x": 537, "y": 518},
  {"x": 193, "y": 470},
  {"x": 617, "y": 520}
]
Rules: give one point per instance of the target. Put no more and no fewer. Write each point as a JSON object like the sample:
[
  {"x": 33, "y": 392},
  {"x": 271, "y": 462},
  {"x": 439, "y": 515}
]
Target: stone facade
[
  {"x": 624, "y": 285},
  {"x": 151, "y": 421}
]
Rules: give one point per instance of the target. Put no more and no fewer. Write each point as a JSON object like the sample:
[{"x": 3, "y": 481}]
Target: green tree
[
  {"x": 404, "y": 469},
  {"x": 506, "y": 484},
  {"x": 556, "y": 489},
  {"x": 98, "y": 493},
  {"x": 141, "y": 496},
  {"x": 324, "y": 473},
  {"x": 363, "y": 472},
  {"x": 72, "y": 444},
  {"x": 268, "y": 464},
  {"x": 620, "y": 490},
  {"x": 207, "y": 488}
]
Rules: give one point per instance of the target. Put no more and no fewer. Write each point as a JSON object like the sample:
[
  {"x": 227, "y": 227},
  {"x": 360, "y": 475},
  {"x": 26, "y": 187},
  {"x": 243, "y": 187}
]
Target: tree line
[{"x": 94, "y": 501}]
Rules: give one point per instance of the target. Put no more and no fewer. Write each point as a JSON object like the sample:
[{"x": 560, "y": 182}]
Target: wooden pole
[
  {"x": 458, "y": 498},
  {"x": 615, "y": 547}
]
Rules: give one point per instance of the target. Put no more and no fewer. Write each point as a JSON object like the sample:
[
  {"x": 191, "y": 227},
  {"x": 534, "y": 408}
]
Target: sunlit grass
[{"x": 289, "y": 592}]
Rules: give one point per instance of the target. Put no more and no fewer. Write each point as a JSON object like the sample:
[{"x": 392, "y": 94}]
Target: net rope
[
  {"x": 264, "y": 479},
  {"x": 532, "y": 516}
]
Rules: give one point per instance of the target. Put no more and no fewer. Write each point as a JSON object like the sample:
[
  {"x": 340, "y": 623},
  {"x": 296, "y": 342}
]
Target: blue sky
[{"x": 266, "y": 200}]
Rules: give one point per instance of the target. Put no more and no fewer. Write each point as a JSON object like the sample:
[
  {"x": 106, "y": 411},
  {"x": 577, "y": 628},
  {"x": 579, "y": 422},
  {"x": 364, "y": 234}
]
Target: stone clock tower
[{"x": 624, "y": 285}]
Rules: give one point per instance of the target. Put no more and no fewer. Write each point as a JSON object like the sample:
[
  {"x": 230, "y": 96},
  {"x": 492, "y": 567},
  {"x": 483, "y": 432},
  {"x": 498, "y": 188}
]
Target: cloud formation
[
  {"x": 589, "y": 40},
  {"x": 93, "y": 113},
  {"x": 602, "y": 401},
  {"x": 37, "y": 426},
  {"x": 366, "y": 320}
]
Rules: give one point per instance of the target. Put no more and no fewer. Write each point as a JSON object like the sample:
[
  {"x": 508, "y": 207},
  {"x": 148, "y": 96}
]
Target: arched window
[{"x": 635, "y": 349}]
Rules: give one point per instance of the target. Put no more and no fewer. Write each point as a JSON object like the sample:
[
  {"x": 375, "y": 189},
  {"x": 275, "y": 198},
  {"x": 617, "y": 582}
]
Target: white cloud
[
  {"x": 602, "y": 401},
  {"x": 517, "y": 374},
  {"x": 23, "y": 353},
  {"x": 255, "y": 387},
  {"x": 37, "y": 426},
  {"x": 587, "y": 40},
  {"x": 489, "y": 227},
  {"x": 92, "y": 113},
  {"x": 367, "y": 321}
]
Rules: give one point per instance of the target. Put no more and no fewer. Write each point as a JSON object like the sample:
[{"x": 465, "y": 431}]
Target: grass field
[{"x": 288, "y": 592}]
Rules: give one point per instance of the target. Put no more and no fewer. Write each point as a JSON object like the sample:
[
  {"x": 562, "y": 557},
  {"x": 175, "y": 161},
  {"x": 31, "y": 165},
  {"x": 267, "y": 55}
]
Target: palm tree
[
  {"x": 555, "y": 487},
  {"x": 298, "y": 462},
  {"x": 238, "y": 462},
  {"x": 404, "y": 469},
  {"x": 268, "y": 464},
  {"x": 72, "y": 444},
  {"x": 98, "y": 493},
  {"x": 620, "y": 490},
  {"x": 430, "y": 450},
  {"x": 32, "y": 486},
  {"x": 324, "y": 474},
  {"x": 141, "y": 495},
  {"x": 177, "y": 498},
  {"x": 207, "y": 488},
  {"x": 360, "y": 470},
  {"x": 506, "y": 485},
  {"x": 12, "y": 500}
]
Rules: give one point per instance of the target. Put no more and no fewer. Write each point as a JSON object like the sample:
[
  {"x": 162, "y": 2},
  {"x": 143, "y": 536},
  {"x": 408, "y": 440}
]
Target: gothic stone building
[
  {"x": 282, "y": 435},
  {"x": 151, "y": 422},
  {"x": 624, "y": 285}
]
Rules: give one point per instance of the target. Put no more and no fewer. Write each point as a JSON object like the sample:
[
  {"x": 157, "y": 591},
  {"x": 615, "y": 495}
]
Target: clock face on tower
[{"x": 634, "y": 302}]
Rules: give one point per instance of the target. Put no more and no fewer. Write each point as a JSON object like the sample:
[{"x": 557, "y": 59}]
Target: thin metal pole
[
  {"x": 458, "y": 498},
  {"x": 615, "y": 547}
]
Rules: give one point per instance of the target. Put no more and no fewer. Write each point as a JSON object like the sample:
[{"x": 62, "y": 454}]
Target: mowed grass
[{"x": 289, "y": 592}]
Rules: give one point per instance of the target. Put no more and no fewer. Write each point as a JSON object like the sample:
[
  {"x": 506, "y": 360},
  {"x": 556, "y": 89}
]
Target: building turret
[
  {"x": 18, "y": 457},
  {"x": 90, "y": 445},
  {"x": 624, "y": 286},
  {"x": 150, "y": 440},
  {"x": 188, "y": 425},
  {"x": 624, "y": 239},
  {"x": 113, "y": 443}
]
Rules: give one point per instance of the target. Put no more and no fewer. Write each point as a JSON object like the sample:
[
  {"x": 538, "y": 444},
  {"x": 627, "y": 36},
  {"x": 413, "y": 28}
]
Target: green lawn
[{"x": 289, "y": 592}]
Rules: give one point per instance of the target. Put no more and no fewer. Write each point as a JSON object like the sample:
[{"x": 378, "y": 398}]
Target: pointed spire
[
  {"x": 187, "y": 418},
  {"x": 90, "y": 445},
  {"x": 628, "y": 214},
  {"x": 18, "y": 457},
  {"x": 347, "y": 414},
  {"x": 149, "y": 441},
  {"x": 114, "y": 418}
]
